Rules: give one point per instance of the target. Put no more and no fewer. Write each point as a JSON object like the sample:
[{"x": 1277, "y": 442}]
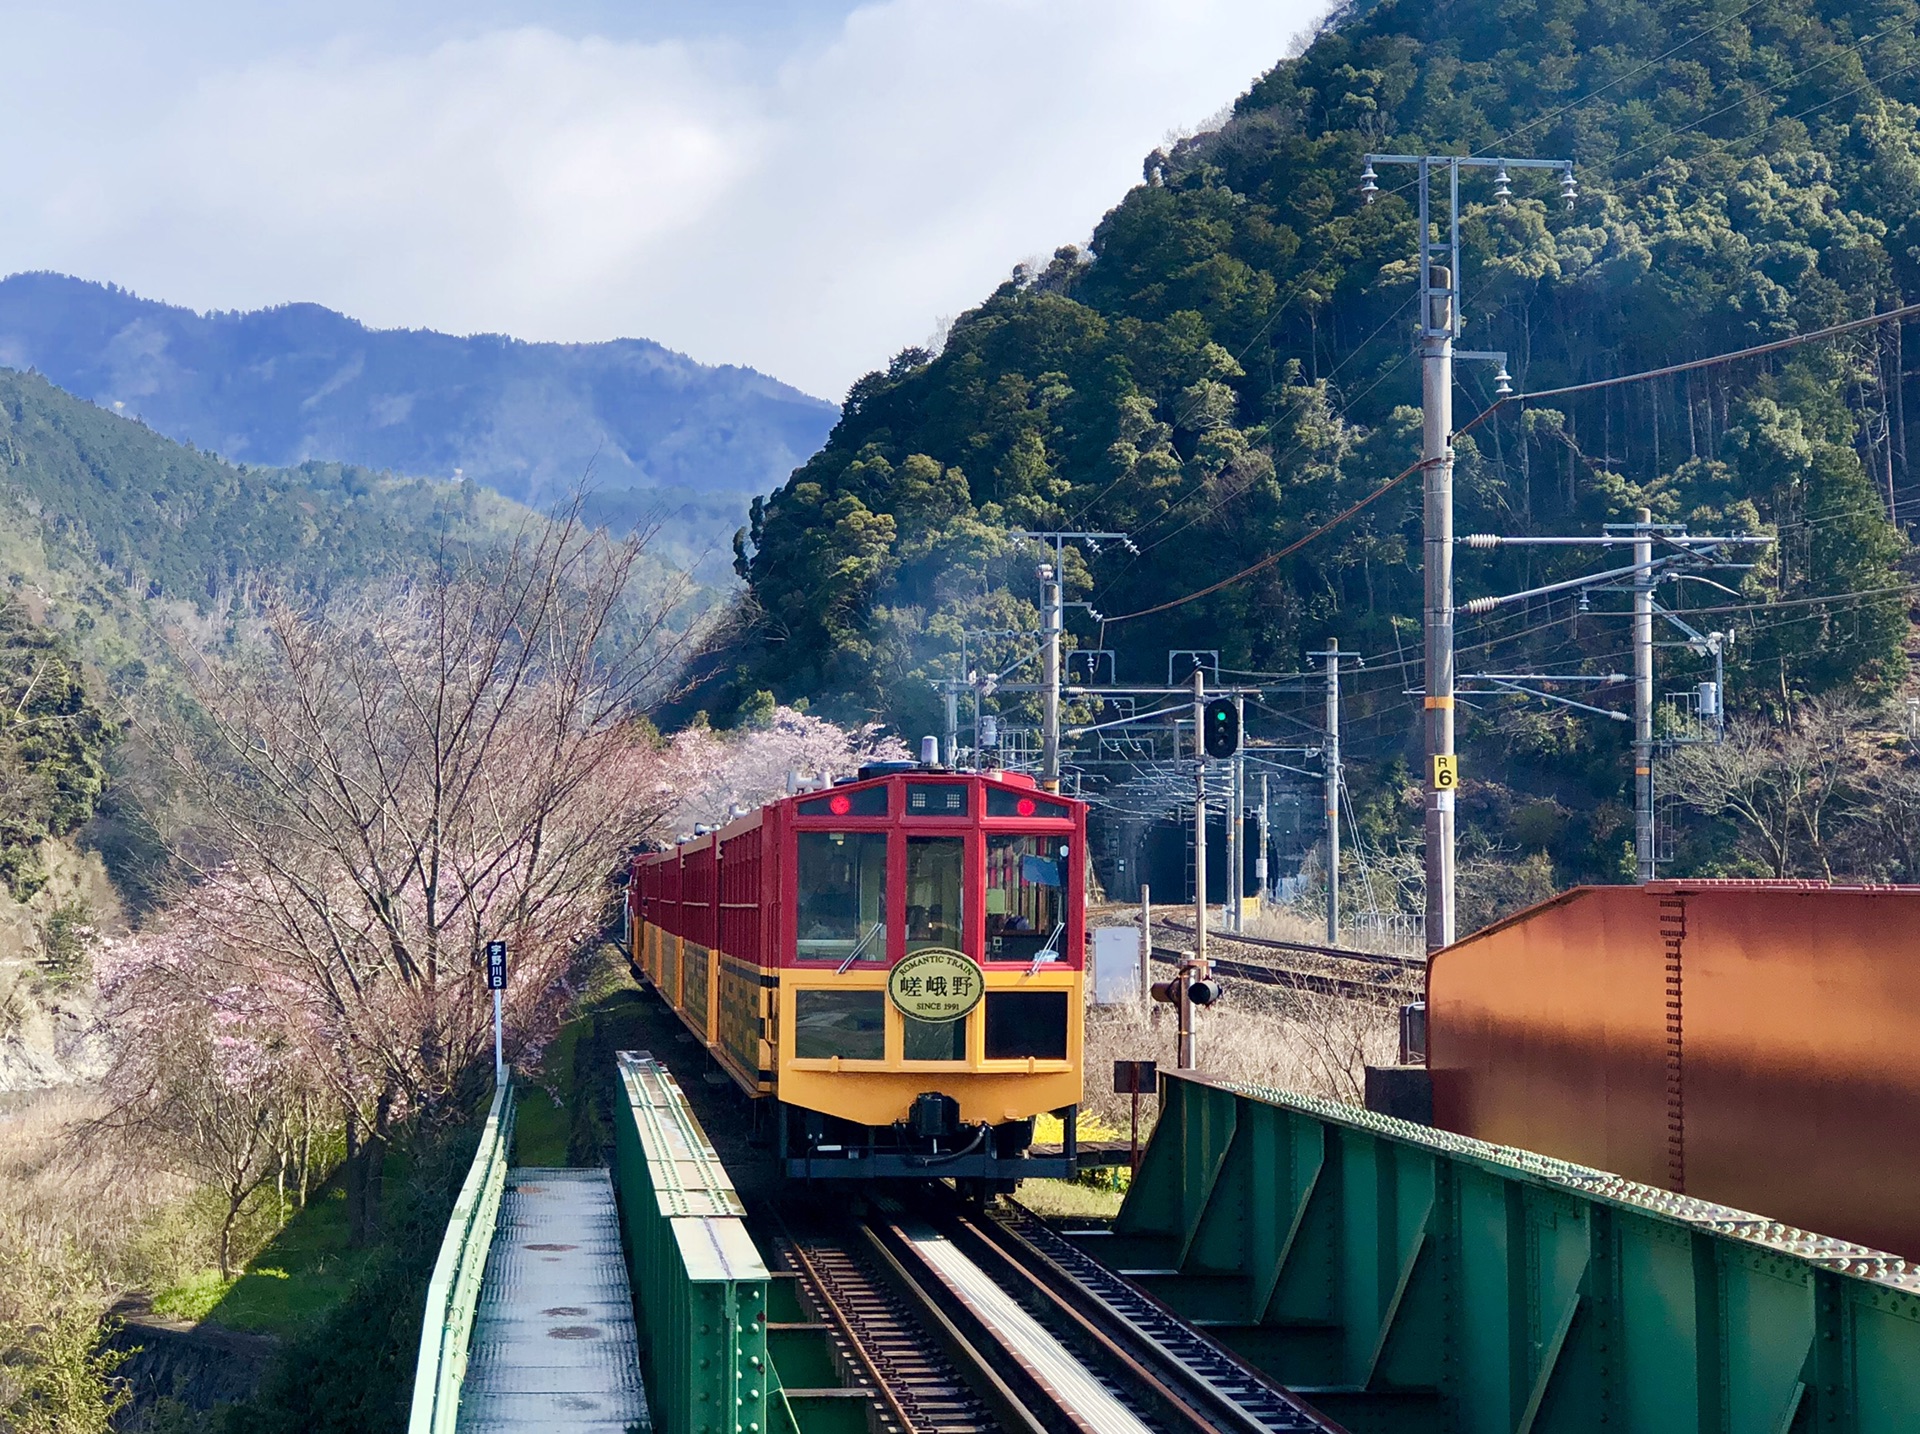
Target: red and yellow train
[{"x": 895, "y": 963}]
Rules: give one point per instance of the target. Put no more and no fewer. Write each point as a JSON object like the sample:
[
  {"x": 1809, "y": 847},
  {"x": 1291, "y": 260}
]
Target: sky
[{"x": 804, "y": 188}]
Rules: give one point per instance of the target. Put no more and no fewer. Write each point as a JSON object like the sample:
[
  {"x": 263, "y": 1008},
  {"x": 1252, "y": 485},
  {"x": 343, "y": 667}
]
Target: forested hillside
[
  {"x": 122, "y": 512},
  {"x": 1228, "y": 366},
  {"x": 299, "y": 382}
]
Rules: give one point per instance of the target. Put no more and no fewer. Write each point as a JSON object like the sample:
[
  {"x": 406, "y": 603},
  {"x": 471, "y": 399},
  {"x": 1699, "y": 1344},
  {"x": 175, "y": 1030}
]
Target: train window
[
  {"x": 848, "y": 1024},
  {"x": 933, "y": 1040},
  {"x": 936, "y": 799},
  {"x": 1001, "y": 803},
  {"x": 934, "y": 867},
  {"x": 854, "y": 802},
  {"x": 1026, "y": 896},
  {"x": 1026, "y": 1023},
  {"x": 841, "y": 906}
]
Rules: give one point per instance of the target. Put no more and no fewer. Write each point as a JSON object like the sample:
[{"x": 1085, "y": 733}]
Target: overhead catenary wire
[{"x": 1755, "y": 351}]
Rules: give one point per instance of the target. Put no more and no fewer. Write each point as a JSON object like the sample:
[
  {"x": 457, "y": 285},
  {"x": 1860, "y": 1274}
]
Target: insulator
[
  {"x": 1367, "y": 186},
  {"x": 1502, "y": 190},
  {"x": 1503, "y": 383},
  {"x": 1569, "y": 191},
  {"x": 1476, "y": 606},
  {"x": 1482, "y": 540}
]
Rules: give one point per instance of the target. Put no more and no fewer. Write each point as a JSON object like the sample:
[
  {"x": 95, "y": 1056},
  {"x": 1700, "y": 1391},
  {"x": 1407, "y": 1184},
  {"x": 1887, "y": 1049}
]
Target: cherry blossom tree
[
  {"x": 390, "y": 783},
  {"x": 207, "y": 1067},
  {"x": 709, "y": 774}
]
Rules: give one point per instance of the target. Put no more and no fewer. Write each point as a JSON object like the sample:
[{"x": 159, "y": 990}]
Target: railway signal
[
  {"x": 1192, "y": 985},
  {"x": 1222, "y": 728}
]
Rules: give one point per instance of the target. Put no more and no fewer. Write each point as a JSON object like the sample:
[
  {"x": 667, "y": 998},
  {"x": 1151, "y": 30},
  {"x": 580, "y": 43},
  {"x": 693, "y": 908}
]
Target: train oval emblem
[{"x": 937, "y": 984}]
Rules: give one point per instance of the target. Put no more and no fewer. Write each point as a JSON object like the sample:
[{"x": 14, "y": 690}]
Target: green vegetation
[
  {"x": 1071, "y": 1199},
  {"x": 1227, "y": 368},
  {"x": 53, "y": 744},
  {"x": 164, "y": 520},
  {"x": 301, "y": 1276}
]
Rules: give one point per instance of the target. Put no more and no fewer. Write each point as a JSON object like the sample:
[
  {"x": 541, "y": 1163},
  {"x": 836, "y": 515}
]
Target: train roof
[{"x": 878, "y": 774}]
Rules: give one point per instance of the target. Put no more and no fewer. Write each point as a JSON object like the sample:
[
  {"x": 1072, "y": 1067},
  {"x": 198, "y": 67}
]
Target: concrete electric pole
[
  {"x": 1331, "y": 760},
  {"x": 1052, "y": 619},
  {"x": 1644, "y": 582},
  {"x": 1199, "y": 816},
  {"x": 1053, "y": 577},
  {"x": 1439, "y": 325}
]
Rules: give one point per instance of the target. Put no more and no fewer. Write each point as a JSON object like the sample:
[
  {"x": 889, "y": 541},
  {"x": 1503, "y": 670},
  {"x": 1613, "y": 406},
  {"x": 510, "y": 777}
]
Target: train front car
[{"x": 918, "y": 940}]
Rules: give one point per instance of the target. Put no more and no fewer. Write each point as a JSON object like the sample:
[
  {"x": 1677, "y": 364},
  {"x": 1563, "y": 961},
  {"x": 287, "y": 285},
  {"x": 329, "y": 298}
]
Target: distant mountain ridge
[{"x": 299, "y": 383}]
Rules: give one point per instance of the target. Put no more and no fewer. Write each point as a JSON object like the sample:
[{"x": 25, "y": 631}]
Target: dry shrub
[
  {"x": 1288, "y": 1038},
  {"x": 75, "y": 1228}
]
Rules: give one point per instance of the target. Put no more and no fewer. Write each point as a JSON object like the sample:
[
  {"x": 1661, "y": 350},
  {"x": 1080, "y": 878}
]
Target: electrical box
[{"x": 1116, "y": 965}]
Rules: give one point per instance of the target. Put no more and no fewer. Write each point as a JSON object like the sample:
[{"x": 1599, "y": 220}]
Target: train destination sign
[{"x": 937, "y": 984}]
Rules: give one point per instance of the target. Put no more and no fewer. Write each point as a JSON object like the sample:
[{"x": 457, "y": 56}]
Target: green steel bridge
[{"x": 1280, "y": 1262}]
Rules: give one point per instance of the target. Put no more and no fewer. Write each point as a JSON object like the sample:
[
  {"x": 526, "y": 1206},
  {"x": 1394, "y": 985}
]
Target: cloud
[{"x": 807, "y": 216}]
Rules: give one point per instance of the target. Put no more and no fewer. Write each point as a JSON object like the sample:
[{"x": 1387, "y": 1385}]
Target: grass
[
  {"x": 193, "y": 1298},
  {"x": 304, "y": 1273},
  {"x": 1069, "y": 1199},
  {"x": 540, "y": 1129}
]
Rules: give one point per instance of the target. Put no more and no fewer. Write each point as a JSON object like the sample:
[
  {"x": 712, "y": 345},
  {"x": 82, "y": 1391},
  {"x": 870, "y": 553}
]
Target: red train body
[{"x": 896, "y": 964}]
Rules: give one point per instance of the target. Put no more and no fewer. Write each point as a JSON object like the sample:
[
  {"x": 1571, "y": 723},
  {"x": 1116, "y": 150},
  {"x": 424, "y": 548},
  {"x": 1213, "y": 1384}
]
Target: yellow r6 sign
[{"x": 1446, "y": 772}]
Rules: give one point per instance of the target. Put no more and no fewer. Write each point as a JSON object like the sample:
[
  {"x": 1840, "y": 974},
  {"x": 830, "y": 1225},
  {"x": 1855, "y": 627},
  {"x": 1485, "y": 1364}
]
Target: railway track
[
  {"x": 1332, "y": 953},
  {"x": 1367, "y": 975},
  {"x": 961, "y": 1321}
]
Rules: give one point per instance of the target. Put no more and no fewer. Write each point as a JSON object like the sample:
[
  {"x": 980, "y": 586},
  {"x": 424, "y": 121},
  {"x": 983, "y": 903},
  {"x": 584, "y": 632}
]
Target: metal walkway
[{"x": 554, "y": 1345}]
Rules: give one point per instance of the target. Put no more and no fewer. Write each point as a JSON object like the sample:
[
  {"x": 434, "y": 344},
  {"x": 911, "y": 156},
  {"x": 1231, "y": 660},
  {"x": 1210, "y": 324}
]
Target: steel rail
[
  {"x": 1219, "y": 1389},
  {"x": 1061, "y": 1391},
  {"x": 878, "y": 1382},
  {"x": 1382, "y": 987},
  {"x": 927, "y": 1373},
  {"x": 1337, "y": 953},
  {"x": 1181, "y": 1401}
]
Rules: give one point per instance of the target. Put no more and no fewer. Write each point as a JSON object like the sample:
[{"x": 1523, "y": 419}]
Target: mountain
[
  {"x": 101, "y": 517},
  {"x": 1227, "y": 369},
  {"x": 299, "y": 383}
]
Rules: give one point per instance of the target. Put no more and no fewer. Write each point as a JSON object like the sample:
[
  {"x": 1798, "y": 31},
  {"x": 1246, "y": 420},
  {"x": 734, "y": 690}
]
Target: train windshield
[
  {"x": 842, "y": 906},
  {"x": 934, "y": 883},
  {"x": 1026, "y": 897}
]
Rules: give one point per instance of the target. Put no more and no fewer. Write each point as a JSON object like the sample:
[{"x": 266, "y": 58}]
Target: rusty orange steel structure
[{"x": 1751, "y": 1043}]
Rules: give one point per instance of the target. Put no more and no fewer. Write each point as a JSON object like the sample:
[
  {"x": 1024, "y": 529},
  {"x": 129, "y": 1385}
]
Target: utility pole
[
  {"x": 1200, "y": 818},
  {"x": 1439, "y": 325},
  {"x": 1054, "y": 618},
  {"x": 1053, "y": 578},
  {"x": 1146, "y": 944},
  {"x": 1236, "y": 825},
  {"x": 1331, "y": 758},
  {"x": 952, "y": 749},
  {"x": 1689, "y": 555},
  {"x": 1644, "y": 580},
  {"x": 1260, "y": 876},
  {"x": 1436, "y": 453}
]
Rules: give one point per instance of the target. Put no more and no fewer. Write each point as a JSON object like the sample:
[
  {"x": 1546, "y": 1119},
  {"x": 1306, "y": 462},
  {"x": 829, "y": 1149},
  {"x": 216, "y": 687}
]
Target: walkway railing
[
  {"x": 454, "y": 1292},
  {"x": 698, "y": 1278}
]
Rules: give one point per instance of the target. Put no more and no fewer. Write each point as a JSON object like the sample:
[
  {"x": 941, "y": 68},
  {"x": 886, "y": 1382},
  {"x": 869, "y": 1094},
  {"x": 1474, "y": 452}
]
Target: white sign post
[{"x": 497, "y": 982}]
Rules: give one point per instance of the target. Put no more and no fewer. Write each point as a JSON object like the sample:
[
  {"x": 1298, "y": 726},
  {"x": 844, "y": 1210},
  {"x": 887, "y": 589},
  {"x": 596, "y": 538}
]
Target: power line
[
  {"x": 1905, "y": 311},
  {"x": 1521, "y": 398}
]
